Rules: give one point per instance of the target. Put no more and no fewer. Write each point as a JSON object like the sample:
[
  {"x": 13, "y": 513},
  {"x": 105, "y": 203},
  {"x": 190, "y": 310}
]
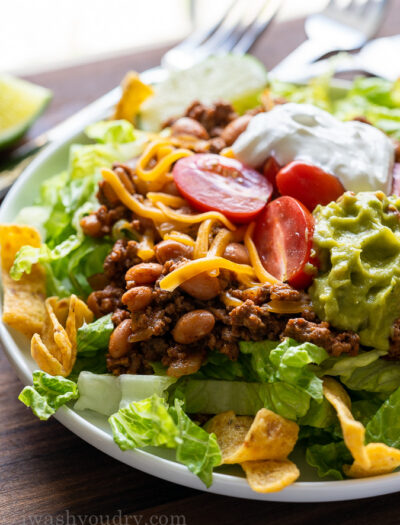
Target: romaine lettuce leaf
[
  {"x": 144, "y": 423},
  {"x": 287, "y": 362},
  {"x": 105, "y": 393},
  {"x": 216, "y": 396},
  {"x": 329, "y": 459},
  {"x": 48, "y": 393},
  {"x": 384, "y": 426},
  {"x": 151, "y": 422},
  {"x": 93, "y": 337},
  {"x": 196, "y": 448},
  {"x": 111, "y": 131}
]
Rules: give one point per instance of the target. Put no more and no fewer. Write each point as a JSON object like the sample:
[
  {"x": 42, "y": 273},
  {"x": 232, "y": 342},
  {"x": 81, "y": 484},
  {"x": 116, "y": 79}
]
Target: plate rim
[{"x": 223, "y": 484}]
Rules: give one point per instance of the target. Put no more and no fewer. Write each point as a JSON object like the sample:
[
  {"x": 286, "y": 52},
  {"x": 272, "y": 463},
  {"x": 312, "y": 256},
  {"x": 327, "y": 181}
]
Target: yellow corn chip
[
  {"x": 369, "y": 460},
  {"x": 55, "y": 349},
  {"x": 241, "y": 438},
  {"x": 134, "y": 93},
  {"x": 230, "y": 431},
  {"x": 271, "y": 475},
  {"x": 23, "y": 300}
]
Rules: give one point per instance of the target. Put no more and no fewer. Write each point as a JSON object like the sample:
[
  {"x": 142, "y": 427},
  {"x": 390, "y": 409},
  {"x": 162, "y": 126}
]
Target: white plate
[{"x": 94, "y": 428}]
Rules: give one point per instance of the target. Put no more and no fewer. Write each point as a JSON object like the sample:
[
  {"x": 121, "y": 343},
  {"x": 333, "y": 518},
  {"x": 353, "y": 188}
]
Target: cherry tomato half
[
  {"x": 215, "y": 183},
  {"x": 308, "y": 184},
  {"x": 283, "y": 238},
  {"x": 396, "y": 179},
  {"x": 271, "y": 169}
]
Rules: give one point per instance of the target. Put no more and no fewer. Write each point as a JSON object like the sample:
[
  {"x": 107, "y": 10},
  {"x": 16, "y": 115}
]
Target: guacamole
[{"x": 357, "y": 240}]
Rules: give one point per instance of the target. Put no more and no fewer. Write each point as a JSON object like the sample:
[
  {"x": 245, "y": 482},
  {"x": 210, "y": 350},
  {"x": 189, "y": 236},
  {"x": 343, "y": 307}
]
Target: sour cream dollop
[{"x": 360, "y": 155}]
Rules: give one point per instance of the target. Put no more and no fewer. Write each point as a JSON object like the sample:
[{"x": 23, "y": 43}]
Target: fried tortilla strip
[
  {"x": 55, "y": 349},
  {"x": 134, "y": 93},
  {"x": 23, "y": 305},
  {"x": 268, "y": 436},
  {"x": 271, "y": 475},
  {"x": 369, "y": 460},
  {"x": 230, "y": 431}
]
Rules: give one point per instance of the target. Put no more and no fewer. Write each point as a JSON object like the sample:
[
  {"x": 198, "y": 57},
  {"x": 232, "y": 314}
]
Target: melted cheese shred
[
  {"x": 167, "y": 199},
  {"x": 205, "y": 264},
  {"x": 165, "y": 155},
  {"x": 262, "y": 275},
  {"x": 129, "y": 200},
  {"x": 220, "y": 242},
  {"x": 202, "y": 240},
  {"x": 180, "y": 237},
  {"x": 199, "y": 217},
  {"x": 146, "y": 245}
]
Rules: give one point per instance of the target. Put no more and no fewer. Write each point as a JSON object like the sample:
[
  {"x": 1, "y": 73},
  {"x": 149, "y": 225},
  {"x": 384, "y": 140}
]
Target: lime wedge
[
  {"x": 233, "y": 78},
  {"x": 21, "y": 103}
]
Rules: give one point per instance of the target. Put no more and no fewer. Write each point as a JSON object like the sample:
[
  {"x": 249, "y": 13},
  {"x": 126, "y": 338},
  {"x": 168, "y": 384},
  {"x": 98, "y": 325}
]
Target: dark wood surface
[{"x": 48, "y": 475}]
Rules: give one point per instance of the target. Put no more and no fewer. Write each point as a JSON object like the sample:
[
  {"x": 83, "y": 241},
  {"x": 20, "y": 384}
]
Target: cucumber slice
[
  {"x": 233, "y": 78},
  {"x": 21, "y": 103}
]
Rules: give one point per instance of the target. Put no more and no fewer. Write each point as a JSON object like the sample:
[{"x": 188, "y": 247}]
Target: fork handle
[{"x": 308, "y": 52}]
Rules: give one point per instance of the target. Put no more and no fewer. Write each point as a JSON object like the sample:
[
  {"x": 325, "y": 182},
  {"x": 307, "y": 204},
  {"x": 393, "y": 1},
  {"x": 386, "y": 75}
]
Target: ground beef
[
  {"x": 322, "y": 335},
  {"x": 106, "y": 301},
  {"x": 214, "y": 117},
  {"x": 122, "y": 256}
]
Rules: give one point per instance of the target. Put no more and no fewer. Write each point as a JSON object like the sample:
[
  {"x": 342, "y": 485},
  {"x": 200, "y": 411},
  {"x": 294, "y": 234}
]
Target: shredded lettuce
[
  {"x": 105, "y": 394},
  {"x": 384, "y": 426},
  {"x": 111, "y": 131},
  {"x": 48, "y": 393},
  {"x": 329, "y": 459},
  {"x": 93, "y": 337},
  {"x": 216, "y": 396},
  {"x": 151, "y": 422}
]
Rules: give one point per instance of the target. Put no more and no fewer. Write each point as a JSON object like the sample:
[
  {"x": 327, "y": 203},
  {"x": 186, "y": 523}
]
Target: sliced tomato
[
  {"x": 283, "y": 238},
  {"x": 271, "y": 169},
  {"x": 308, "y": 184},
  {"x": 215, "y": 183},
  {"x": 396, "y": 179}
]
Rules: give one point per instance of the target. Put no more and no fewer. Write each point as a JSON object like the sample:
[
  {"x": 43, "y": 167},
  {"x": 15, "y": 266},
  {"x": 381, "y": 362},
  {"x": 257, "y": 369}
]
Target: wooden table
[{"x": 48, "y": 475}]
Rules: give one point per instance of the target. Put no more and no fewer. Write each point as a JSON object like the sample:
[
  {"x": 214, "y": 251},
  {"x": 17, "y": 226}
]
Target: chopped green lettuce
[
  {"x": 105, "y": 393},
  {"x": 151, "y": 422},
  {"x": 93, "y": 337},
  {"x": 196, "y": 448},
  {"x": 48, "y": 393},
  {"x": 384, "y": 426},
  {"x": 111, "y": 131},
  {"x": 329, "y": 459},
  {"x": 216, "y": 396}
]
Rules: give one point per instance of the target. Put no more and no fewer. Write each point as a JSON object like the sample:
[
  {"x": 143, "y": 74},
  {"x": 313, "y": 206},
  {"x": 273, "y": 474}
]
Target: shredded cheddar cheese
[
  {"x": 262, "y": 275},
  {"x": 199, "y": 217},
  {"x": 205, "y": 264},
  {"x": 165, "y": 160},
  {"x": 165, "y": 198},
  {"x": 203, "y": 235},
  {"x": 146, "y": 245},
  {"x": 180, "y": 237}
]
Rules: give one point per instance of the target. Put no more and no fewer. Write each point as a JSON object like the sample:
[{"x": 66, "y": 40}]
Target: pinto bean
[
  {"x": 144, "y": 273},
  {"x": 91, "y": 225},
  {"x": 193, "y": 326},
  {"x": 237, "y": 253},
  {"x": 137, "y": 298},
  {"x": 202, "y": 286},
  {"x": 188, "y": 365},
  {"x": 171, "y": 188},
  {"x": 167, "y": 250},
  {"x": 119, "y": 344},
  {"x": 235, "y": 128},
  {"x": 189, "y": 126}
]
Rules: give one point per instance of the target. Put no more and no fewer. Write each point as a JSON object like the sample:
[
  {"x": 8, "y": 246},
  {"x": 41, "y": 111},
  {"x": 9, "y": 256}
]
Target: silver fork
[
  {"x": 339, "y": 27},
  {"x": 235, "y": 32}
]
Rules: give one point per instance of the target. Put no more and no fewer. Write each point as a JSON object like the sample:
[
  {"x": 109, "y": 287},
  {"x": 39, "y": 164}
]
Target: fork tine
[
  {"x": 260, "y": 22},
  {"x": 227, "y": 27},
  {"x": 201, "y": 35}
]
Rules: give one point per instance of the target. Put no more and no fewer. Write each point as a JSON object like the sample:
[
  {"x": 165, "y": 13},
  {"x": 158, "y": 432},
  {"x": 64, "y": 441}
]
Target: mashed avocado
[{"x": 357, "y": 288}]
